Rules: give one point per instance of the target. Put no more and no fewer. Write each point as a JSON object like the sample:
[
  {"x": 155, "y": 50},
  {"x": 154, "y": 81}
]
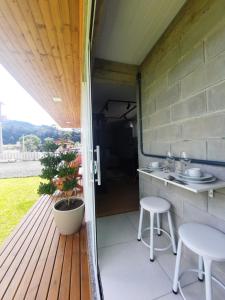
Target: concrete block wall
[{"x": 183, "y": 105}]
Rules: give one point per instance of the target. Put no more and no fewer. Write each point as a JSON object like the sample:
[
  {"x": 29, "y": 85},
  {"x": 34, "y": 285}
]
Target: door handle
[{"x": 97, "y": 165}]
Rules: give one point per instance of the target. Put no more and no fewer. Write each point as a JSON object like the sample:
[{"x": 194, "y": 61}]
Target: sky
[{"x": 18, "y": 104}]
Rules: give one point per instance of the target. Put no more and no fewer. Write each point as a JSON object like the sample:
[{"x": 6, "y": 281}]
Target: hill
[{"x": 13, "y": 130}]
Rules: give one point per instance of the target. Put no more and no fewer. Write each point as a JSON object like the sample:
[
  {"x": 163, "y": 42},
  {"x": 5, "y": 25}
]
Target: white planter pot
[{"x": 68, "y": 221}]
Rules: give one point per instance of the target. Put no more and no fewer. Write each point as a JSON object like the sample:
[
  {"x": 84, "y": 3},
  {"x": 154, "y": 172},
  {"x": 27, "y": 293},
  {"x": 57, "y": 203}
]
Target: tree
[
  {"x": 31, "y": 142},
  {"x": 49, "y": 145},
  {"x": 75, "y": 135},
  {"x": 66, "y": 135},
  {"x": 61, "y": 172}
]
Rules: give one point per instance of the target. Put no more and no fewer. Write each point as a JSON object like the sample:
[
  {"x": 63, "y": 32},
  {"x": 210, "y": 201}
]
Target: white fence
[{"x": 10, "y": 156}]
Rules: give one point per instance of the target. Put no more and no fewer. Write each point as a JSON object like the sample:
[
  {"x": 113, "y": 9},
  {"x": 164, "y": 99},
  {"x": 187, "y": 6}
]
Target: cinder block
[
  {"x": 194, "y": 149},
  {"x": 190, "y": 122},
  {"x": 143, "y": 160},
  {"x": 215, "y": 43},
  {"x": 200, "y": 26},
  {"x": 167, "y": 97},
  {"x": 216, "y": 206},
  {"x": 194, "y": 82},
  {"x": 148, "y": 107},
  {"x": 146, "y": 146},
  {"x": 216, "y": 149},
  {"x": 148, "y": 75},
  {"x": 194, "y": 214},
  {"x": 145, "y": 123},
  {"x": 159, "y": 148},
  {"x": 204, "y": 127},
  {"x": 215, "y": 70},
  {"x": 146, "y": 142},
  {"x": 167, "y": 61},
  {"x": 148, "y": 188},
  {"x": 144, "y": 109},
  {"x": 149, "y": 134},
  {"x": 189, "y": 108},
  {"x": 168, "y": 133},
  {"x": 177, "y": 222},
  {"x": 216, "y": 97},
  {"x": 159, "y": 85},
  {"x": 197, "y": 200},
  {"x": 204, "y": 76},
  {"x": 188, "y": 64},
  {"x": 151, "y": 107},
  {"x": 171, "y": 193},
  {"x": 159, "y": 118}
]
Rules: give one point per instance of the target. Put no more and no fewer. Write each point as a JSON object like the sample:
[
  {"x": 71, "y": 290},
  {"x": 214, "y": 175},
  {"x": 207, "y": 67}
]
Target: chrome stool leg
[
  {"x": 140, "y": 224},
  {"x": 200, "y": 268},
  {"x": 208, "y": 279},
  {"x": 158, "y": 224},
  {"x": 172, "y": 233},
  {"x": 152, "y": 237},
  {"x": 177, "y": 267}
]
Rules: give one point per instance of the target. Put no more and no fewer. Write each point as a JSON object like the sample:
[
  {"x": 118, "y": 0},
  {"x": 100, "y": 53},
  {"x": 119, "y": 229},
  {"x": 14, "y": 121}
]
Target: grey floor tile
[
  {"x": 114, "y": 229},
  {"x": 167, "y": 262},
  {"x": 170, "y": 296},
  {"x": 127, "y": 273},
  {"x": 196, "y": 291},
  {"x": 133, "y": 217}
]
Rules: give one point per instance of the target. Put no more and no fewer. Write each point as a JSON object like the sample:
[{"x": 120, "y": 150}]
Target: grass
[{"x": 17, "y": 195}]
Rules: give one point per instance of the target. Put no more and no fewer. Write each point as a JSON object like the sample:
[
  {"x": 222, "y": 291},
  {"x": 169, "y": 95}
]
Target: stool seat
[
  {"x": 209, "y": 244},
  {"x": 155, "y": 204},
  {"x": 203, "y": 240}
]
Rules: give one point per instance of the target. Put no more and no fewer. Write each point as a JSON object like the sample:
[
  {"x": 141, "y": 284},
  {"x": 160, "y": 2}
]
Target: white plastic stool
[
  {"x": 209, "y": 244},
  {"x": 155, "y": 205}
]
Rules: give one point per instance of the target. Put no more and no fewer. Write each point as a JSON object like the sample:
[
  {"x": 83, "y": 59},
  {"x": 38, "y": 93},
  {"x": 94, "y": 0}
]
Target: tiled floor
[{"x": 127, "y": 273}]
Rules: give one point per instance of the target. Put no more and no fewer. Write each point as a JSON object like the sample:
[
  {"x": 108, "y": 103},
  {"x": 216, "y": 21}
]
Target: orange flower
[{"x": 77, "y": 162}]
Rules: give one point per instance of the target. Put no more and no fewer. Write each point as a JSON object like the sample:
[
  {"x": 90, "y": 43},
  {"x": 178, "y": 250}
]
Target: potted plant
[{"x": 61, "y": 172}]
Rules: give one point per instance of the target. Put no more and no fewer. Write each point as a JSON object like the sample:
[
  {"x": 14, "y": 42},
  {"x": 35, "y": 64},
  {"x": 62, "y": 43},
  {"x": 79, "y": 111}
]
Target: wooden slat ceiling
[{"x": 41, "y": 46}]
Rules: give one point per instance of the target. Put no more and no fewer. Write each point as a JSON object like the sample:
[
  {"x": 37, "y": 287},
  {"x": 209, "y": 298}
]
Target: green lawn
[{"x": 17, "y": 195}]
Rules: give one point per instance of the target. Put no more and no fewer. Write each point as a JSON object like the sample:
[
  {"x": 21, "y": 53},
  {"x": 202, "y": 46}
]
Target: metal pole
[
  {"x": 1, "y": 139},
  {"x": 23, "y": 144}
]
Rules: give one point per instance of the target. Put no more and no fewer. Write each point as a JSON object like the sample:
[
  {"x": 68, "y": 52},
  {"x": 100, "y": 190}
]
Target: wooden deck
[{"x": 36, "y": 262}]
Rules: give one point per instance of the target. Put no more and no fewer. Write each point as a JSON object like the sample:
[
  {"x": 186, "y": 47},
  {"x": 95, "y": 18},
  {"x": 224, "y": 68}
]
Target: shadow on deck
[{"x": 36, "y": 262}]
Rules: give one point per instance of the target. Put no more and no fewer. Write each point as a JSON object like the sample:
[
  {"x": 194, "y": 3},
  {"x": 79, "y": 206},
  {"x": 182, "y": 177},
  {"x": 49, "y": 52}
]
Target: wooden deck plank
[
  {"x": 75, "y": 280},
  {"x": 9, "y": 269},
  {"x": 39, "y": 255},
  {"x": 22, "y": 225},
  {"x": 64, "y": 290},
  {"x": 22, "y": 231},
  {"x": 57, "y": 271},
  {"x": 29, "y": 262},
  {"x": 85, "y": 281},
  {"x": 6, "y": 259},
  {"x": 39, "y": 263},
  {"x": 39, "y": 286},
  {"x": 9, "y": 254}
]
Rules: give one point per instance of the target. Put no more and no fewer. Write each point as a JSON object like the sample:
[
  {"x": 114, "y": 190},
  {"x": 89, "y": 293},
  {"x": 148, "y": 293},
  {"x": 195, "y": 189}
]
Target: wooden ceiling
[{"x": 41, "y": 46}]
